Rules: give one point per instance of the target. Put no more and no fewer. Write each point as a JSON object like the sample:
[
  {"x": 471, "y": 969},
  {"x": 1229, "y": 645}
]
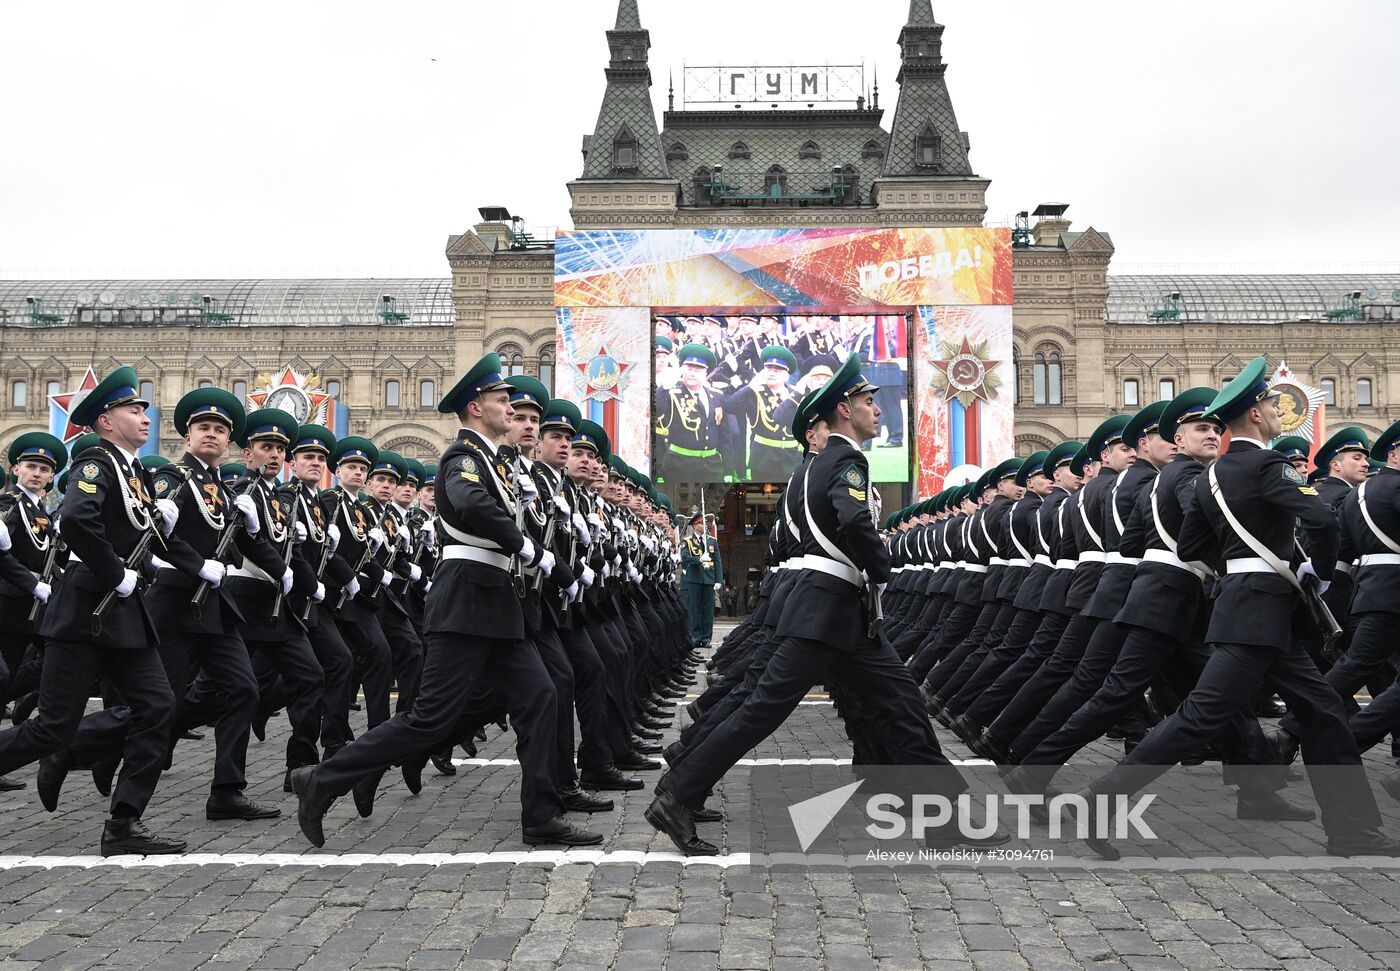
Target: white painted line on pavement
[{"x": 748, "y": 762}]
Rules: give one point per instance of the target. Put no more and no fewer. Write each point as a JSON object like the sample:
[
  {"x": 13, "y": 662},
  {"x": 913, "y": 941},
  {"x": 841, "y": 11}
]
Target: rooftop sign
[{"x": 720, "y": 84}]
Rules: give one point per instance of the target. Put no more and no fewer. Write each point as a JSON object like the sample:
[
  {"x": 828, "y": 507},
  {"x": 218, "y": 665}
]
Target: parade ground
[{"x": 442, "y": 880}]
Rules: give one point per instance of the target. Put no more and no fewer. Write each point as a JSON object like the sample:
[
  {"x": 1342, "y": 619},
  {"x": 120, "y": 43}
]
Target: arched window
[
  {"x": 391, "y": 394},
  {"x": 775, "y": 181},
  {"x": 928, "y": 149},
  {"x": 809, "y": 149},
  {"x": 427, "y": 394},
  {"x": 677, "y": 153},
  {"x": 624, "y": 149},
  {"x": 333, "y": 388},
  {"x": 1363, "y": 393},
  {"x": 872, "y": 149},
  {"x": 738, "y": 150},
  {"x": 1329, "y": 392},
  {"x": 1131, "y": 395},
  {"x": 1166, "y": 389},
  {"x": 1046, "y": 378},
  {"x": 512, "y": 360},
  {"x": 51, "y": 389},
  {"x": 547, "y": 368},
  {"x": 240, "y": 390},
  {"x": 1015, "y": 377},
  {"x": 19, "y": 394},
  {"x": 147, "y": 391},
  {"x": 206, "y": 383}
]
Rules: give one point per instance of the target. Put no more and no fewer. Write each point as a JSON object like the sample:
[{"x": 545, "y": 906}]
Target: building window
[
  {"x": 809, "y": 150},
  {"x": 147, "y": 391},
  {"x": 19, "y": 394},
  {"x": 775, "y": 182},
  {"x": 928, "y": 149},
  {"x": 677, "y": 153},
  {"x": 738, "y": 150},
  {"x": 50, "y": 389},
  {"x": 1329, "y": 392},
  {"x": 1166, "y": 389},
  {"x": 1046, "y": 378},
  {"x": 512, "y": 361},
  {"x": 240, "y": 391},
  {"x": 206, "y": 383},
  {"x": 427, "y": 394},
  {"x": 625, "y": 149},
  {"x": 872, "y": 149},
  {"x": 547, "y": 368},
  {"x": 1363, "y": 393},
  {"x": 391, "y": 394},
  {"x": 1130, "y": 393},
  {"x": 333, "y": 388},
  {"x": 1015, "y": 378}
]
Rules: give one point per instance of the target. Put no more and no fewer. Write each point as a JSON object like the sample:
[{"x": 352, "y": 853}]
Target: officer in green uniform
[
  {"x": 703, "y": 574},
  {"x": 686, "y": 440},
  {"x": 765, "y": 406}
]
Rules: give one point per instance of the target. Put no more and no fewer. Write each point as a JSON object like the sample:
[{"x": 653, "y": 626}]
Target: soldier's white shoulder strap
[
  {"x": 1084, "y": 518},
  {"x": 1380, "y": 534},
  {"x": 1248, "y": 538},
  {"x": 828, "y": 547},
  {"x": 1011, "y": 531}
]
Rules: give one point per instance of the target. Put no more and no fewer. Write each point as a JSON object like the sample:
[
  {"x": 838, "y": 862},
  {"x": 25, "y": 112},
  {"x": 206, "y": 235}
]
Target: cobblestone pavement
[{"x": 441, "y": 880}]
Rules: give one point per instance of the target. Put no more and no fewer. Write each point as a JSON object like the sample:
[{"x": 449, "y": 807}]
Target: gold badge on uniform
[
  {"x": 469, "y": 470},
  {"x": 91, "y": 471},
  {"x": 161, "y": 486}
]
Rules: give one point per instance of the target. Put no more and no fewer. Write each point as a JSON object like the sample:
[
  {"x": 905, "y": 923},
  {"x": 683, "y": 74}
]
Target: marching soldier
[
  {"x": 396, "y": 557},
  {"x": 475, "y": 630}
]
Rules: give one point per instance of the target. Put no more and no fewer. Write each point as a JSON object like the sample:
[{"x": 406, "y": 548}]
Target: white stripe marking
[{"x": 746, "y": 762}]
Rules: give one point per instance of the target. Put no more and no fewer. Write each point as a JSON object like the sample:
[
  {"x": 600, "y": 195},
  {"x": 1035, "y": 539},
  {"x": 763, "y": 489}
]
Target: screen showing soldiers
[{"x": 726, "y": 389}]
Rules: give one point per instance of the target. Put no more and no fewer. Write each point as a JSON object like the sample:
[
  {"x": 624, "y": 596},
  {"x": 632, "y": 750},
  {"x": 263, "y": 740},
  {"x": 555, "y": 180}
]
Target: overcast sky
[{"x": 335, "y": 137}]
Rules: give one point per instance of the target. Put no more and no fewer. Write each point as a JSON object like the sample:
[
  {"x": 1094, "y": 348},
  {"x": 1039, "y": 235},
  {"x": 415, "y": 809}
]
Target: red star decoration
[
  {"x": 981, "y": 390},
  {"x": 69, "y": 400},
  {"x": 288, "y": 377},
  {"x": 610, "y": 392}
]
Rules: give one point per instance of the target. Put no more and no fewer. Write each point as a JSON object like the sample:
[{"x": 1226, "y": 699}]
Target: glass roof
[
  {"x": 1244, "y": 298},
  {"x": 250, "y": 303}
]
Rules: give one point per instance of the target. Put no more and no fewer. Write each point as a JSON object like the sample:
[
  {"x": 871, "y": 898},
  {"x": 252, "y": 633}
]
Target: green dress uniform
[
  {"x": 686, "y": 434},
  {"x": 703, "y": 572}
]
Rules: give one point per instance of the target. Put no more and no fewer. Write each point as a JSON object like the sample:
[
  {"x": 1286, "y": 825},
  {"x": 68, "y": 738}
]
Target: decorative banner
[
  {"x": 603, "y": 368},
  {"x": 1302, "y": 405},
  {"x": 828, "y": 268},
  {"x": 962, "y": 359},
  {"x": 61, "y": 405}
]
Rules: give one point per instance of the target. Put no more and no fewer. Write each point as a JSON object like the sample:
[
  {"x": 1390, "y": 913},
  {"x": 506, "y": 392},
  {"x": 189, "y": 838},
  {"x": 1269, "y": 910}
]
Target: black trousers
[
  {"x": 1099, "y": 657},
  {"x": 1028, "y": 701},
  {"x": 561, "y": 675},
  {"x": 997, "y": 695},
  {"x": 407, "y": 652},
  {"x": 302, "y": 683},
  {"x": 590, "y": 698},
  {"x": 1228, "y": 684},
  {"x": 1373, "y": 642},
  {"x": 374, "y": 664},
  {"x": 1000, "y": 653},
  {"x": 984, "y": 619},
  {"x": 454, "y": 666},
  {"x": 338, "y": 666},
  {"x": 225, "y": 695},
  {"x": 725, "y": 706},
  {"x": 872, "y": 669},
  {"x": 140, "y": 733}
]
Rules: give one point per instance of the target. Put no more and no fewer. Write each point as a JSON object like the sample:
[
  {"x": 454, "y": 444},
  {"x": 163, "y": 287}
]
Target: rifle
[
  {"x": 1319, "y": 614},
  {"x": 226, "y": 538},
  {"x": 287, "y": 550},
  {"x": 388, "y": 562},
  {"x": 363, "y": 562},
  {"x": 547, "y": 534},
  {"x": 517, "y": 569},
  {"x": 50, "y": 563},
  {"x": 137, "y": 554},
  {"x": 325, "y": 559}
]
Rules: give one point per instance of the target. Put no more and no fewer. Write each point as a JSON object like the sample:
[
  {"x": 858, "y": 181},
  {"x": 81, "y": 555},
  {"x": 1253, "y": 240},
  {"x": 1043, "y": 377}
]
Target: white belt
[
  {"x": 1043, "y": 560},
  {"x": 824, "y": 564},
  {"x": 1118, "y": 559},
  {"x": 251, "y": 571},
  {"x": 975, "y": 567},
  {"x": 1066, "y": 564},
  {"x": 1343, "y": 567},
  {"x": 1249, "y": 564},
  {"x": 1381, "y": 559},
  {"x": 1169, "y": 558},
  {"x": 999, "y": 561},
  {"x": 455, "y": 552},
  {"x": 945, "y": 564},
  {"x": 919, "y": 567},
  {"x": 898, "y": 569},
  {"x": 1018, "y": 562},
  {"x": 1092, "y": 556}
]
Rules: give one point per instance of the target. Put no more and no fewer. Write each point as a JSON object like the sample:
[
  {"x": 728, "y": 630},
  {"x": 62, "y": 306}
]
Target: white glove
[
  {"x": 1305, "y": 569},
  {"x": 286, "y": 581},
  {"x": 299, "y": 532},
  {"x": 581, "y": 527},
  {"x": 572, "y": 592},
  {"x": 426, "y": 587},
  {"x": 607, "y": 570},
  {"x": 429, "y": 534},
  {"x": 249, "y": 509},
  {"x": 632, "y": 574},
  {"x": 320, "y": 593},
  {"x": 4, "y": 536},
  {"x": 587, "y": 577},
  {"x": 127, "y": 585},
  {"x": 718, "y": 585},
  {"x": 405, "y": 539},
  {"x": 352, "y": 588},
  {"x": 169, "y": 512},
  {"x": 527, "y": 552},
  {"x": 617, "y": 559},
  {"x": 562, "y": 505},
  {"x": 42, "y": 591},
  {"x": 526, "y": 485},
  {"x": 213, "y": 571},
  {"x": 376, "y": 537},
  {"x": 386, "y": 579},
  {"x": 333, "y": 532},
  {"x": 415, "y": 572},
  {"x": 546, "y": 563},
  {"x": 160, "y": 564},
  {"x": 597, "y": 520}
]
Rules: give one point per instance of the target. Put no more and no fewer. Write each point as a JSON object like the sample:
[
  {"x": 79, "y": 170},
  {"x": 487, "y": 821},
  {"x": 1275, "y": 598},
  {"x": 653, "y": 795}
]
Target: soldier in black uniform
[
  {"x": 207, "y": 639},
  {"x": 824, "y": 627},
  {"x": 30, "y": 556},
  {"x": 764, "y": 408},
  {"x": 396, "y": 556},
  {"x": 106, "y": 514},
  {"x": 475, "y": 630},
  {"x": 1250, "y": 628},
  {"x": 686, "y": 433}
]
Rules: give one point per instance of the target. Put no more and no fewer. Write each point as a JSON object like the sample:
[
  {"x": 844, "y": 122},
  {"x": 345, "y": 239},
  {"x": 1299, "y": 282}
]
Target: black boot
[
  {"x": 608, "y": 779},
  {"x": 103, "y": 771},
  {"x": 677, "y": 822},
  {"x": 226, "y": 803},
  {"x": 1269, "y": 805},
  {"x": 53, "y": 769},
  {"x": 577, "y": 801},
  {"x": 130, "y": 837},
  {"x": 311, "y": 804}
]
